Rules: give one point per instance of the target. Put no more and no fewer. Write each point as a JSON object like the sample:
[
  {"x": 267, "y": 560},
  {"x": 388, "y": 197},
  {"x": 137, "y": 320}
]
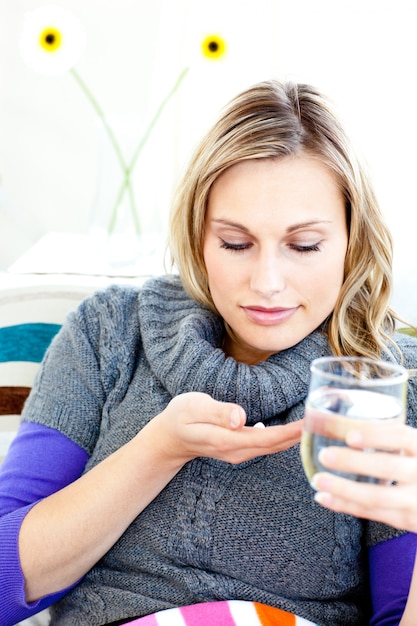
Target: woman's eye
[
  {"x": 235, "y": 247},
  {"x": 299, "y": 248},
  {"x": 305, "y": 249}
]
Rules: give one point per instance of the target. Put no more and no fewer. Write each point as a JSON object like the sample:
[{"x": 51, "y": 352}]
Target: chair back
[{"x": 30, "y": 316}]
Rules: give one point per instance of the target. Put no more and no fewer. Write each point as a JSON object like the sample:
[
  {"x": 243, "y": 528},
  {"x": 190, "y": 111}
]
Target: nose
[{"x": 268, "y": 274}]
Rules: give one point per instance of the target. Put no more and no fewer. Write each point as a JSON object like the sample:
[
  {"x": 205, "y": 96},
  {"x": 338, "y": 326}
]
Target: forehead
[
  {"x": 291, "y": 169},
  {"x": 292, "y": 185}
]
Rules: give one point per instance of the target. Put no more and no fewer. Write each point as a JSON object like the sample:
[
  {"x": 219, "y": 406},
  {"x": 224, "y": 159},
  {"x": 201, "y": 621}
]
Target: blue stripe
[{"x": 26, "y": 342}]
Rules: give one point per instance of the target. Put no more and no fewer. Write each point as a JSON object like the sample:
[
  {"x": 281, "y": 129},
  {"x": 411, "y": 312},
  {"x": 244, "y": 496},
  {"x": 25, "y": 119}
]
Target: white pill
[{"x": 259, "y": 425}]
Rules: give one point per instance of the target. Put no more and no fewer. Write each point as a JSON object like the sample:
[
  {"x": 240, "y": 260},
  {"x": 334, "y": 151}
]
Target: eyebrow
[
  {"x": 289, "y": 230},
  {"x": 302, "y": 225}
]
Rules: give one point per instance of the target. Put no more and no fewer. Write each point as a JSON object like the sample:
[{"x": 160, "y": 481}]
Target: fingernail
[
  {"x": 314, "y": 482},
  {"x": 235, "y": 418},
  {"x": 320, "y": 482},
  {"x": 325, "y": 499},
  {"x": 326, "y": 456}
]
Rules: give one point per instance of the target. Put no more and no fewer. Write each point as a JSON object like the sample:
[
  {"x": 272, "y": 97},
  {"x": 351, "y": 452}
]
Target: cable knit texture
[{"x": 217, "y": 531}]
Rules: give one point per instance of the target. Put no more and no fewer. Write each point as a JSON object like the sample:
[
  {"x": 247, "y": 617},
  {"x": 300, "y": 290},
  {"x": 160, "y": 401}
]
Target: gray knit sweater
[{"x": 217, "y": 531}]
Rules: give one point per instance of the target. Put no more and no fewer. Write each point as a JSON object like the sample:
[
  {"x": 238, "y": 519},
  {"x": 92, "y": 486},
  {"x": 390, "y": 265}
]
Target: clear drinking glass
[{"x": 345, "y": 393}]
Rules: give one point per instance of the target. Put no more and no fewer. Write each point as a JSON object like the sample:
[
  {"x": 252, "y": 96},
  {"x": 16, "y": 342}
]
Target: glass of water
[{"x": 346, "y": 393}]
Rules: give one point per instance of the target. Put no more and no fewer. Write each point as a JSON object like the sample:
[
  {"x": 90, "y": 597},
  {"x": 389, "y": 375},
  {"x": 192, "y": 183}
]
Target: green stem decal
[{"x": 127, "y": 169}]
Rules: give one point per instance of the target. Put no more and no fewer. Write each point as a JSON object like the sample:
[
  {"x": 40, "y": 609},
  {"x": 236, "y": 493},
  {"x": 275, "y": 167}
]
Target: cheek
[
  {"x": 222, "y": 283},
  {"x": 218, "y": 275},
  {"x": 324, "y": 285},
  {"x": 329, "y": 284}
]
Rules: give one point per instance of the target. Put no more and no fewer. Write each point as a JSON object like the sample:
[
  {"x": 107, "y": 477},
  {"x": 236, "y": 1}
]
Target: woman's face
[{"x": 274, "y": 249}]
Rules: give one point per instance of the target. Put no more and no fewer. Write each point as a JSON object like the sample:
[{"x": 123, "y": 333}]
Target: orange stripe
[{"x": 270, "y": 616}]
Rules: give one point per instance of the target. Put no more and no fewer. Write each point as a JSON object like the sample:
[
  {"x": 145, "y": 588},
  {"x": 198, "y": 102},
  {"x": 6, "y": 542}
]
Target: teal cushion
[{"x": 26, "y": 342}]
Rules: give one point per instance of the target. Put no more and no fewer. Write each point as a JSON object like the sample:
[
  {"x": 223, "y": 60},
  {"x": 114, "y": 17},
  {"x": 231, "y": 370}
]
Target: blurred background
[{"x": 55, "y": 164}]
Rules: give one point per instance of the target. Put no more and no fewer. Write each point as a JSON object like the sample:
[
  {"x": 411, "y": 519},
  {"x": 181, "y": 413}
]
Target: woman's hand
[
  {"x": 193, "y": 424},
  {"x": 394, "y": 501}
]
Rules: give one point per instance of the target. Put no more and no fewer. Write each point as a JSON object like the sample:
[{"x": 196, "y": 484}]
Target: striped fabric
[
  {"x": 22, "y": 347},
  {"x": 30, "y": 316},
  {"x": 226, "y": 613}
]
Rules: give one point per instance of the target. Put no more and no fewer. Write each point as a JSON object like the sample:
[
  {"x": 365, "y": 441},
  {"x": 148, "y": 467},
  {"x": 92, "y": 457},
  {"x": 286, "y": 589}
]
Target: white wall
[{"x": 361, "y": 52}]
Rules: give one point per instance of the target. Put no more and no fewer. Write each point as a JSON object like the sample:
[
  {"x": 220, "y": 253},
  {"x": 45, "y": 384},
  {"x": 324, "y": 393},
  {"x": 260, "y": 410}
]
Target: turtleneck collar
[{"x": 181, "y": 340}]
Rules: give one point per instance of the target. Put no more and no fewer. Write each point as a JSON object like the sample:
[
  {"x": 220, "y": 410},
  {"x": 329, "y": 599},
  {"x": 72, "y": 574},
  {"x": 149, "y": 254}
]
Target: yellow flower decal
[
  {"x": 213, "y": 47},
  {"x": 52, "y": 39}
]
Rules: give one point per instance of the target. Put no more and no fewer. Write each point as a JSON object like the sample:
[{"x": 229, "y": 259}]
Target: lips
[{"x": 269, "y": 316}]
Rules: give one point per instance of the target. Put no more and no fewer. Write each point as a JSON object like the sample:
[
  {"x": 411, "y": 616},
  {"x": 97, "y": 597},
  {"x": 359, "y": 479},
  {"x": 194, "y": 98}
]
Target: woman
[{"x": 136, "y": 482}]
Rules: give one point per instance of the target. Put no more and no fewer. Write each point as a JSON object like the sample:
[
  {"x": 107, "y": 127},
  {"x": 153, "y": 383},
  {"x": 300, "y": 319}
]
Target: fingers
[
  {"x": 202, "y": 426},
  {"x": 393, "y": 505},
  {"x": 397, "y": 437},
  {"x": 197, "y": 408},
  {"x": 386, "y": 466},
  {"x": 237, "y": 446},
  {"x": 387, "y": 452},
  {"x": 394, "y": 459},
  {"x": 271, "y": 439},
  {"x": 287, "y": 435}
]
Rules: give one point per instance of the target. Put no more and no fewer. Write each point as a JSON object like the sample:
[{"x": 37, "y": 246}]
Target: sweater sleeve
[
  {"x": 391, "y": 566},
  {"x": 40, "y": 461}
]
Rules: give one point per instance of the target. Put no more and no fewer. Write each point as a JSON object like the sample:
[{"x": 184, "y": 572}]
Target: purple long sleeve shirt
[{"x": 40, "y": 462}]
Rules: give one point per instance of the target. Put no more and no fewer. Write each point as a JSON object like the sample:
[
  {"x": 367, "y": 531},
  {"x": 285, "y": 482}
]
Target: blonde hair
[{"x": 272, "y": 120}]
